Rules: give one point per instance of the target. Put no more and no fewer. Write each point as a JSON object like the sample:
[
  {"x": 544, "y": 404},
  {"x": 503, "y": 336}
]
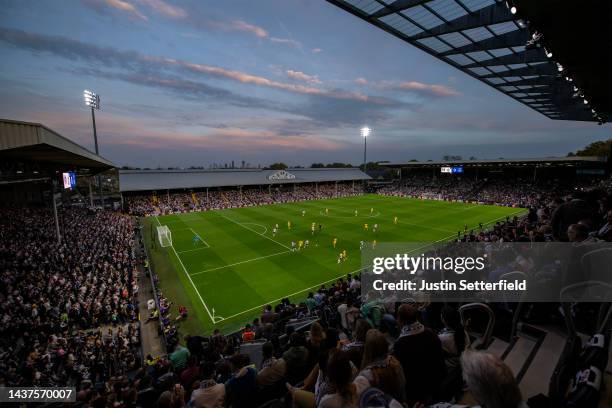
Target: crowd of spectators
[
  {"x": 506, "y": 191},
  {"x": 69, "y": 315},
  {"x": 217, "y": 199},
  {"x": 362, "y": 352},
  {"x": 354, "y": 354},
  {"x": 68, "y": 309}
]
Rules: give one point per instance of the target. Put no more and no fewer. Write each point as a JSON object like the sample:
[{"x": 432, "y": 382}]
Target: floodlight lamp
[
  {"x": 91, "y": 99},
  {"x": 365, "y": 131}
]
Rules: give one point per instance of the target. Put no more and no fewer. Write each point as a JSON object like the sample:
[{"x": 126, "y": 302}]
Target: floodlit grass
[{"x": 238, "y": 265}]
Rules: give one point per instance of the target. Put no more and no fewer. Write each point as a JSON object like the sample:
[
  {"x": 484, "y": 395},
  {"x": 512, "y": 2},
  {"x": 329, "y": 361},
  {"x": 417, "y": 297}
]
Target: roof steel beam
[
  {"x": 514, "y": 38},
  {"x": 396, "y": 6},
  {"x": 492, "y": 14},
  {"x": 529, "y": 56},
  {"x": 541, "y": 70}
]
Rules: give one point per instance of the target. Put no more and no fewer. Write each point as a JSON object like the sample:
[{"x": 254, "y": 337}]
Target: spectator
[
  {"x": 340, "y": 374},
  {"x": 380, "y": 369},
  {"x": 419, "y": 352},
  {"x": 241, "y": 388},
  {"x": 209, "y": 394},
  {"x": 179, "y": 357}
]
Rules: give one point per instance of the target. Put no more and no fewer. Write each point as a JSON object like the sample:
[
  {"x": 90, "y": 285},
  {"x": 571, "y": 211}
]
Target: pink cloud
[
  {"x": 165, "y": 9},
  {"x": 429, "y": 90},
  {"x": 262, "y": 81},
  {"x": 239, "y": 25},
  {"x": 432, "y": 89},
  {"x": 126, "y": 7},
  {"x": 316, "y": 50},
  {"x": 300, "y": 76},
  {"x": 285, "y": 41},
  {"x": 117, "y": 130},
  {"x": 251, "y": 29}
]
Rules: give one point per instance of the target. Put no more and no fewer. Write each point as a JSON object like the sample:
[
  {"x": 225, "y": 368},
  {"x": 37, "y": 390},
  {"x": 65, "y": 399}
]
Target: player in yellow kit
[
  {"x": 289, "y": 225},
  {"x": 300, "y": 244},
  {"x": 374, "y": 244},
  {"x": 327, "y": 211},
  {"x": 334, "y": 242},
  {"x": 371, "y": 211},
  {"x": 395, "y": 220},
  {"x": 344, "y": 255},
  {"x": 365, "y": 227}
]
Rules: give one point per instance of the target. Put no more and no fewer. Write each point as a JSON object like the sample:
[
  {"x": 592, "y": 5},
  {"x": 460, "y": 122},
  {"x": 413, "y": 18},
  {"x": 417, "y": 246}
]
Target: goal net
[{"x": 164, "y": 236}]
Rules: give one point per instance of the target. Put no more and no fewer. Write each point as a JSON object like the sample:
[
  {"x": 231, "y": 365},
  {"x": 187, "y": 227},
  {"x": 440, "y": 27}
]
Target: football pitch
[{"x": 226, "y": 265}]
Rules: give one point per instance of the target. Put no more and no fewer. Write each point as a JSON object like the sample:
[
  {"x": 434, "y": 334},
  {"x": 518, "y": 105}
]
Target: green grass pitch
[{"x": 238, "y": 265}]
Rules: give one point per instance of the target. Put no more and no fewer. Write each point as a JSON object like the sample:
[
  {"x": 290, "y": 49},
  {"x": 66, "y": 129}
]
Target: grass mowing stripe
[
  {"x": 292, "y": 294},
  {"x": 245, "y": 269},
  {"x": 239, "y": 263},
  {"x": 237, "y": 223},
  {"x": 190, "y": 280}
]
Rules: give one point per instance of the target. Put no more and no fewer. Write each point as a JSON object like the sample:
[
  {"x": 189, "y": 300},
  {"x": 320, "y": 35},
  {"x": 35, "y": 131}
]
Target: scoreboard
[{"x": 452, "y": 170}]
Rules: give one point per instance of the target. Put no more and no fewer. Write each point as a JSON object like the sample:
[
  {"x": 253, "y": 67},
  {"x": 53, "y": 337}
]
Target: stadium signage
[
  {"x": 452, "y": 170},
  {"x": 281, "y": 175}
]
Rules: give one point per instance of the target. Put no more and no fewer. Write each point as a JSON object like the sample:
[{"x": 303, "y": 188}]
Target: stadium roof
[
  {"x": 486, "y": 41},
  {"x": 543, "y": 161},
  {"x": 33, "y": 142},
  {"x": 147, "y": 180}
]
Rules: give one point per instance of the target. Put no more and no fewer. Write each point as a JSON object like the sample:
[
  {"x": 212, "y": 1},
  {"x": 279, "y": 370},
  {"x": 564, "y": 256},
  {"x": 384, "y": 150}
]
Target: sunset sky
[{"x": 195, "y": 82}]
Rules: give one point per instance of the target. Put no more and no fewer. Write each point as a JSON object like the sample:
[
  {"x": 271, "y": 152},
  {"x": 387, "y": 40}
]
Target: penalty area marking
[
  {"x": 217, "y": 319},
  {"x": 195, "y": 249},
  {"x": 252, "y": 230},
  {"x": 239, "y": 263},
  {"x": 344, "y": 274},
  {"x": 199, "y": 237},
  {"x": 258, "y": 225},
  {"x": 212, "y": 317}
]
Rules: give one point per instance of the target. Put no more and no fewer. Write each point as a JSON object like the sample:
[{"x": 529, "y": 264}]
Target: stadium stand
[{"x": 73, "y": 308}]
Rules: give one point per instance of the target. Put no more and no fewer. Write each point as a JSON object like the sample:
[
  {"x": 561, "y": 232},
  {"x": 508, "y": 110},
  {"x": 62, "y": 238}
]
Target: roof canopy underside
[{"x": 486, "y": 41}]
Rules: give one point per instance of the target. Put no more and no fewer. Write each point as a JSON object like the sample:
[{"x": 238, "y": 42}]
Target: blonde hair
[
  {"x": 490, "y": 380},
  {"x": 376, "y": 346}
]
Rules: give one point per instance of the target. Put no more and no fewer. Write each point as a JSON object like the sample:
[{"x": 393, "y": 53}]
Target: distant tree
[
  {"x": 448, "y": 157},
  {"x": 338, "y": 165},
  {"x": 413, "y": 160},
  {"x": 317, "y": 165},
  {"x": 371, "y": 166},
  {"x": 600, "y": 148},
  {"x": 278, "y": 166},
  {"x": 473, "y": 158}
]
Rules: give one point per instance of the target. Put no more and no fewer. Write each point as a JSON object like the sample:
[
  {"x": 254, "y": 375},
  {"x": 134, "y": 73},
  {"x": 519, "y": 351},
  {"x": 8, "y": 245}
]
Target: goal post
[{"x": 164, "y": 236}]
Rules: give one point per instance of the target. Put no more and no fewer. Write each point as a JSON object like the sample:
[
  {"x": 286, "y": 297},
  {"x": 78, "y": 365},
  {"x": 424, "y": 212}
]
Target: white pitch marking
[
  {"x": 198, "y": 235},
  {"x": 190, "y": 280},
  {"x": 238, "y": 263},
  {"x": 252, "y": 230}
]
